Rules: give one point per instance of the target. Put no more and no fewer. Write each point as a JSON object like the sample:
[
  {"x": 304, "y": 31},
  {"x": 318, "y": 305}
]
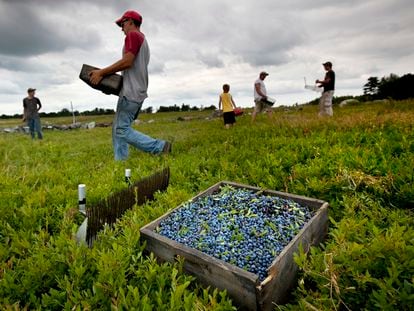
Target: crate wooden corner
[{"x": 242, "y": 286}]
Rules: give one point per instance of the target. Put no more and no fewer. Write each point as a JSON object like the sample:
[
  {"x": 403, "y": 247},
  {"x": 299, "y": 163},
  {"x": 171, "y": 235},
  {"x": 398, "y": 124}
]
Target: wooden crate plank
[{"x": 283, "y": 270}]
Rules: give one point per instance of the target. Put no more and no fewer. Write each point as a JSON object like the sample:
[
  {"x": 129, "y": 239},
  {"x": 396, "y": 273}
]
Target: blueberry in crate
[
  {"x": 240, "y": 238},
  {"x": 239, "y": 226}
]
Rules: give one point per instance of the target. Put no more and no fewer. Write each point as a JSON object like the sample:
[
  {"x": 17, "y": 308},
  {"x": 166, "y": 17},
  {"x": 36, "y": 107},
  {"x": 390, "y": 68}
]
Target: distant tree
[
  {"x": 168, "y": 109},
  {"x": 386, "y": 86},
  {"x": 64, "y": 113},
  {"x": 185, "y": 107},
  {"x": 97, "y": 112},
  {"x": 405, "y": 87},
  {"x": 148, "y": 110},
  {"x": 212, "y": 107},
  {"x": 162, "y": 109},
  {"x": 14, "y": 116},
  {"x": 371, "y": 87},
  {"x": 397, "y": 88},
  {"x": 391, "y": 86},
  {"x": 49, "y": 114},
  {"x": 194, "y": 108}
]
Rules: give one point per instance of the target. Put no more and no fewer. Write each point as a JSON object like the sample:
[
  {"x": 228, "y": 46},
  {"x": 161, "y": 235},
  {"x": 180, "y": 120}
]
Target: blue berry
[{"x": 238, "y": 226}]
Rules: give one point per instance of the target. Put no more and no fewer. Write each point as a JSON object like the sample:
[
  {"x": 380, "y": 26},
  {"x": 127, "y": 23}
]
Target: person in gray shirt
[
  {"x": 31, "y": 107},
  {"x": 134, "y": 67}
]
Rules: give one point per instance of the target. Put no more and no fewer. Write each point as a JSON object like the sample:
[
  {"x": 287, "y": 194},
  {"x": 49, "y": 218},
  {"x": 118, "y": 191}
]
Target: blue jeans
[
  {"x": 34, "y": 126},
  {"x": 123, "y": 134}
]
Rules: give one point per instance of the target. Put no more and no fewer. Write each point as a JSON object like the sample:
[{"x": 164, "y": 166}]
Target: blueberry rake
[{"x": 107, "y": 211}]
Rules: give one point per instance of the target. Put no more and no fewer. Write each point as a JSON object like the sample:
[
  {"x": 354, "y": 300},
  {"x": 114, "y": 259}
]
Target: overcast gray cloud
[
  {"x": 29, "y": 28},
  {"x": 196, "y": 46}
]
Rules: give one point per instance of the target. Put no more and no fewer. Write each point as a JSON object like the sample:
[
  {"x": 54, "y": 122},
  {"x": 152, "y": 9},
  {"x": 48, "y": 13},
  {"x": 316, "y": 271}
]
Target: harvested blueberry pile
[{"x": 239, "y": 226}]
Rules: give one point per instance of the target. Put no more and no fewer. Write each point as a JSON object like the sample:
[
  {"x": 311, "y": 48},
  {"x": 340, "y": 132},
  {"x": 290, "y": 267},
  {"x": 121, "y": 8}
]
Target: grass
[{"x": 360, "y": 161}]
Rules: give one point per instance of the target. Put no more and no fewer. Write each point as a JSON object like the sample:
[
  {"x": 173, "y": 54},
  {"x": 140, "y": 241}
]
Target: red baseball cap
[{"x": 129, "y": 14}]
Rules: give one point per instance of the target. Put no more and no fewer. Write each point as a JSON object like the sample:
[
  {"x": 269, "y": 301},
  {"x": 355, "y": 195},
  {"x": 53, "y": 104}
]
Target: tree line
[
  {"x": 184, "y": 108},
  {"x": 65, "y": 113},
  {"x": 99, "y": 111},
  {"x": 388, "y": 87},
  {"x": 393, "y": 86}
]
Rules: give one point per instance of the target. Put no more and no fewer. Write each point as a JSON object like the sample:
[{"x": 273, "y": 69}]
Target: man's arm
[
  {"x": 124, "y": 63},
  {"x": 219, "y": 104},
  {"x": 24, "y": 111},
  {"x": 39, "y": 104},
  {"x": 326, "y": 80}
]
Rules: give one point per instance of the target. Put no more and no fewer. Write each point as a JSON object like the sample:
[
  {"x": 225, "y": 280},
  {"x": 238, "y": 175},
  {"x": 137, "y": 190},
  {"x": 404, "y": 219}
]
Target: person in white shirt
[{"x": 260, "y": 97}]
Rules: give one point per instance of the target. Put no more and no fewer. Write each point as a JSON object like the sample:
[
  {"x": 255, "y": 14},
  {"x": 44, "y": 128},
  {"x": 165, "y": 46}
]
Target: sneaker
[{"x": 167, "y": 147}]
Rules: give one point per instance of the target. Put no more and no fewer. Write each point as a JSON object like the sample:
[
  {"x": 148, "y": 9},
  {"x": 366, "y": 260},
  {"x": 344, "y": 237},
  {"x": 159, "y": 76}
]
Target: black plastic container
[{"x": 110, "y": 84}]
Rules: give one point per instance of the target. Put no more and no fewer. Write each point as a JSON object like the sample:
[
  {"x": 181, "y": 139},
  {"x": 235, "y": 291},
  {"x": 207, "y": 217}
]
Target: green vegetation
[
  {"x": 360, "y": 161},
  {"x": 392, "y": 86}
]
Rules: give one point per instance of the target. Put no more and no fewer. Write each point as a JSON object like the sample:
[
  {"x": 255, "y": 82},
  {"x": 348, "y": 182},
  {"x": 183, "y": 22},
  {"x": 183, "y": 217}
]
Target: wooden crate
[{"x": 244, "y": 287}]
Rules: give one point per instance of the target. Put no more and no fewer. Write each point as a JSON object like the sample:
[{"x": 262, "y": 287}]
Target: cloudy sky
[{"x": 198, "y": 45}]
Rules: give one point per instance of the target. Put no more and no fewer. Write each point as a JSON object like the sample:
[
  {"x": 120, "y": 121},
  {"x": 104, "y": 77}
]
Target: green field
[{"x": 361, "y": 161}]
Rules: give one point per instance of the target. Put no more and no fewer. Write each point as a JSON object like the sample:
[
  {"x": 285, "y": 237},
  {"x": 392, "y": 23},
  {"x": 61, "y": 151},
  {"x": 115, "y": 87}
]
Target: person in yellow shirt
[{"x": 228, "y": 104}]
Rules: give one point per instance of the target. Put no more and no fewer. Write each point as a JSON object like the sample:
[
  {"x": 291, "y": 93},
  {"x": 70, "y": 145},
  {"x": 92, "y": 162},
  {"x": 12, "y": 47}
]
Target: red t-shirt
[{"x": 133, "y": 42}]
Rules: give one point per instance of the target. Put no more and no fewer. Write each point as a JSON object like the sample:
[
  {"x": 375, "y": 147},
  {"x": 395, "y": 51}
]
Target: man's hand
[
  {"x": 320, "y": 83},
  {"x": 95, "y": 76}
]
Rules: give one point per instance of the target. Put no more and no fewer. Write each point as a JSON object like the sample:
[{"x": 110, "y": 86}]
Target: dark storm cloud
[
  {"x": 30, "y": 28},
  {"x": 213, "y": 30},
  {"x": 18, "y": 64},
  {"x": 198, "y": 45}
]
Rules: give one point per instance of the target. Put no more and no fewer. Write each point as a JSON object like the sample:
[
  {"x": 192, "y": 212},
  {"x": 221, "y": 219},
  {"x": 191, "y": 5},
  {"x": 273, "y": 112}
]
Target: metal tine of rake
[{"x": 112, "y": 208}]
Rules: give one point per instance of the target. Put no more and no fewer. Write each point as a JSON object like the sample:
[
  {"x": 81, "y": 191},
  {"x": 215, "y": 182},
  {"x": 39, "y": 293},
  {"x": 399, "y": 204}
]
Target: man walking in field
[
  {"x": 31, "y": 107},
  {"x": 328, "y": 84},
  {"x": 134, "y": 67},
  {"x": 260, "y": 97}
]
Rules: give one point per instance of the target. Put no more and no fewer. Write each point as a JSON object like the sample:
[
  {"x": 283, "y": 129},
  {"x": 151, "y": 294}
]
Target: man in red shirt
[{"x": 134, "y": 67}]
